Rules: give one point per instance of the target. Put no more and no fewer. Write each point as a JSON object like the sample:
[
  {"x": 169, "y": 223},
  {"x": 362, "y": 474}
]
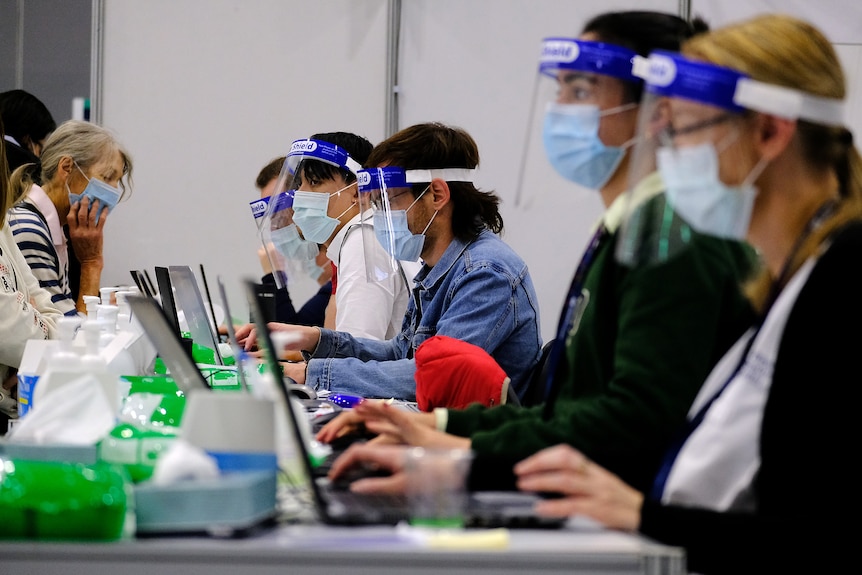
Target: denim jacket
[{"x": 479, "y": 292}]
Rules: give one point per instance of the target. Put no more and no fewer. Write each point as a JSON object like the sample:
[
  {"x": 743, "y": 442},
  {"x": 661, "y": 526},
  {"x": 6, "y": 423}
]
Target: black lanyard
[{"x": 567, "y": 316}]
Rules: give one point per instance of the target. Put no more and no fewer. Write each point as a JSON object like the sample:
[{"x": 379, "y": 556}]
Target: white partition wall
[
  {"x": 205, "y": 92},
  {"x": 839, "y": 19}
]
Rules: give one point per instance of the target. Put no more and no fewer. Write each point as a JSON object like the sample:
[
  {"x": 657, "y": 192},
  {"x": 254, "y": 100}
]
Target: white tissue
[
  {"x": 184, "y": 461},
  {"x": 79, "y": 414}
]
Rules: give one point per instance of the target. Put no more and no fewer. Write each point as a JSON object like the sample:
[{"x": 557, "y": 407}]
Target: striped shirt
[{"x": 31, "y": 233}]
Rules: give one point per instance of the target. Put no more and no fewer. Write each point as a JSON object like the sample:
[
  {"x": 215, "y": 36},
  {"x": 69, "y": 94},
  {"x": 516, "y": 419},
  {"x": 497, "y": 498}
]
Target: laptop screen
[
  {"x": 166, "y": 294},
  {"x": 181, "y": 366},
  {"x": 191, "y": 303},
  {"x": 270, "y": 359}
]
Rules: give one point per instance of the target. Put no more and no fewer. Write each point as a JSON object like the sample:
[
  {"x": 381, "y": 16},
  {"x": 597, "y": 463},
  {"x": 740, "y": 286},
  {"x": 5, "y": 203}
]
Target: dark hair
[
  {"x": 434, "y": 145},
  {"x": 269, "y": 172},
  {"x": 643, "y": 32},
  {"x": 27, "y": 118},
  {"x": 356, "y": 146}
]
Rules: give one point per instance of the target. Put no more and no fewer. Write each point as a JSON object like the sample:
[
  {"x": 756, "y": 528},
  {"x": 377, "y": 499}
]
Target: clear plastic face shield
[
  {"x": 581, "y": 120},
  {"x": 688, "y": 172},
  {"x": 297, "y": 216},
  {"x": 399, "y": 221}
]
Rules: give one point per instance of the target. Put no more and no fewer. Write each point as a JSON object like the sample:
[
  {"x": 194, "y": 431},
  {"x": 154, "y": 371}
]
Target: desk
[{"x": 323, "y": 550}]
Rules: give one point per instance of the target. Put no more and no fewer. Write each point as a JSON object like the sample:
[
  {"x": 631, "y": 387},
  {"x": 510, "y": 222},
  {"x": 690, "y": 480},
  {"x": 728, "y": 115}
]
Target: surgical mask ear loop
[
  {"x": 429, "y": 222},
  {"x": 417, "y": 198},
  {"x": 618, "y": 109},
  {"x": 755, "y": 173},
  {"x": 338, "y": 193}
]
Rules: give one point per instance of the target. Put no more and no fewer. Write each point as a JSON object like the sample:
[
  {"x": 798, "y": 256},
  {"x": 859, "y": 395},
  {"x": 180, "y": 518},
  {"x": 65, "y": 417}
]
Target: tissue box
[{"x": 227, "y": 505}]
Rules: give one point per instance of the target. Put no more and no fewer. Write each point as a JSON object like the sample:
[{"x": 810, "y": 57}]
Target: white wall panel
[
  {"x": 838, "y": 19},
  {"x": 204, "y": 93}
]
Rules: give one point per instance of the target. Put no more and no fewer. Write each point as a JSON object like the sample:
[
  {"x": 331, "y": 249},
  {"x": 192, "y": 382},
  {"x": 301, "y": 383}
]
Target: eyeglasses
[
  {"x": 672, "y": 132},
  {"x": 377, "y": 203}
]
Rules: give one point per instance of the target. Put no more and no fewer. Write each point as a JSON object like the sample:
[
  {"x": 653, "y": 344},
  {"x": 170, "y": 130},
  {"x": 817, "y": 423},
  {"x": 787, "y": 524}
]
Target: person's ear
[
  {"x": 773, "y": 135},
  {"x": 440, "y": 193},
  {"x": 65, "y": 167}
]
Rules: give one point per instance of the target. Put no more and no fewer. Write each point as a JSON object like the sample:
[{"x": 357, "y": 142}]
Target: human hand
[
  {"x": 393, "y": 425},
  {"x": 294, "y": 370},
  {"x": 289, "y": 337},
  {"x": 85, "y": 235},
  {"x": 11, "y": 379},
  {"x": 345, "y": 423},
  {"x": 246, "y": 336},
  {"x": 587, "y": 488},
  {"x": 268, "y": 258},
  {"x": 380, "y": 457}
]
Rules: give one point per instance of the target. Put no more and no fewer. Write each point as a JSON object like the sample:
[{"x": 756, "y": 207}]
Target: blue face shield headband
[
  {"x": 391, "y": 226},
  {"x": 310, "y": 209},
  {"x": 672, "y": 75},
  {"x": 560, "y": 54},
  {"x": 570, "y": 133},
  {"x": 691, "y": 173}
]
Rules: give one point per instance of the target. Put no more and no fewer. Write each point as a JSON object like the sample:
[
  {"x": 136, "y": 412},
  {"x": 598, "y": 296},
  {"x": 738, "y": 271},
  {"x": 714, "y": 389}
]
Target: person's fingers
[
  {"x": 395, "y": 484},
  {"x": 250, "y": 340},
  {"x": 383, "y": 427},
  {"x": 342, "y": 424},
  {"x": 84, "y": 211},
  {"x": 556, "y": 481},
  {"x": 242, "y": 331},
  {"x": 360, "y": 454},
  {"x": 386, "y": 439},
  {"x": 94, "y": 213},
  {"x": 556, "y": 457}
]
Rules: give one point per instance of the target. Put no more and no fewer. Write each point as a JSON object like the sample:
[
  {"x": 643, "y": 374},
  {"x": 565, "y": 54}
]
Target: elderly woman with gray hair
[{"x": 85, "y": 172}]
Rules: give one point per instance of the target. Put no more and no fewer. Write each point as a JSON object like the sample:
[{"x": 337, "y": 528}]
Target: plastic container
[
  {"x": 136, "y": 450},
  {"x": 49, "y": 500}
]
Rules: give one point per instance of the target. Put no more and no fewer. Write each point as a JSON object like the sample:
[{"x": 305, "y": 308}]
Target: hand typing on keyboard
[{"x": 367, "y": 468}]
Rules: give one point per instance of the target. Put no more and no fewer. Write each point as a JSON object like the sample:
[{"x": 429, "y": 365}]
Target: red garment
[
  {"x": 334, "y": 277},
  {"x": 453, "y": 373}
]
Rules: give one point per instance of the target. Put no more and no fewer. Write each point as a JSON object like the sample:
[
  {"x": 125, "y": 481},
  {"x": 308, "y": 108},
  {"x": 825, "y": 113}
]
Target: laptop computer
[
  {"x": 190, "y": 301},
  {"x": 343, "y": 507},
  {"x": 166, "y": 294},
  {"x": 181, "y": 366},
  {"x": 238, "y": 353},
  {"x": 141, "y": 282}
]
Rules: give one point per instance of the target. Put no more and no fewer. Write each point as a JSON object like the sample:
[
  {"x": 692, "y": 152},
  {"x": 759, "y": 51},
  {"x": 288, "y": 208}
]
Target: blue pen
[{"x": 344, "y": 400}]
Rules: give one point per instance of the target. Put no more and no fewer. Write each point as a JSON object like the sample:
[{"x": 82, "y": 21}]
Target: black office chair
[{"x": 535, "y": 394}]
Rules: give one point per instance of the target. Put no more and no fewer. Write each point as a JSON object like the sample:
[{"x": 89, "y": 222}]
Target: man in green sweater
[{"x": 634, "y": 342}]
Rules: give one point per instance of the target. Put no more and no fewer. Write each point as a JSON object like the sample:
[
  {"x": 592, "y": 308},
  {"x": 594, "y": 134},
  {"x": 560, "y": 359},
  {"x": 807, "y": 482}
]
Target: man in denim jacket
[{"x": 472, "y": 286}]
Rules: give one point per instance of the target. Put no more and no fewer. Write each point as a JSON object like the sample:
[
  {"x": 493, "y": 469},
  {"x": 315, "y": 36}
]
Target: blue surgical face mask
[
  {"x": 698, "y": 195},
  {"x": 310, "y": 214},
  {"x": 96, "y": 189},
  {"x": 407, "y": 245},
  {"x": 573, "y": 147},
  {"x": 291, "y": 245},
  {"x": 313, "y": 270}
]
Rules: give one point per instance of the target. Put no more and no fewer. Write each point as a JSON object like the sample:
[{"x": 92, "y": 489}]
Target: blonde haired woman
[
  {"x": 26, "y": 311},
  {"x": 754, "y": 146},
  {"x": 85, "y": 172}
]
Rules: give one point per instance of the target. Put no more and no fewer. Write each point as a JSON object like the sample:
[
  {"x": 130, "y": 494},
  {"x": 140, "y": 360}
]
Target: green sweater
[{"x": 647, "y": 339}]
